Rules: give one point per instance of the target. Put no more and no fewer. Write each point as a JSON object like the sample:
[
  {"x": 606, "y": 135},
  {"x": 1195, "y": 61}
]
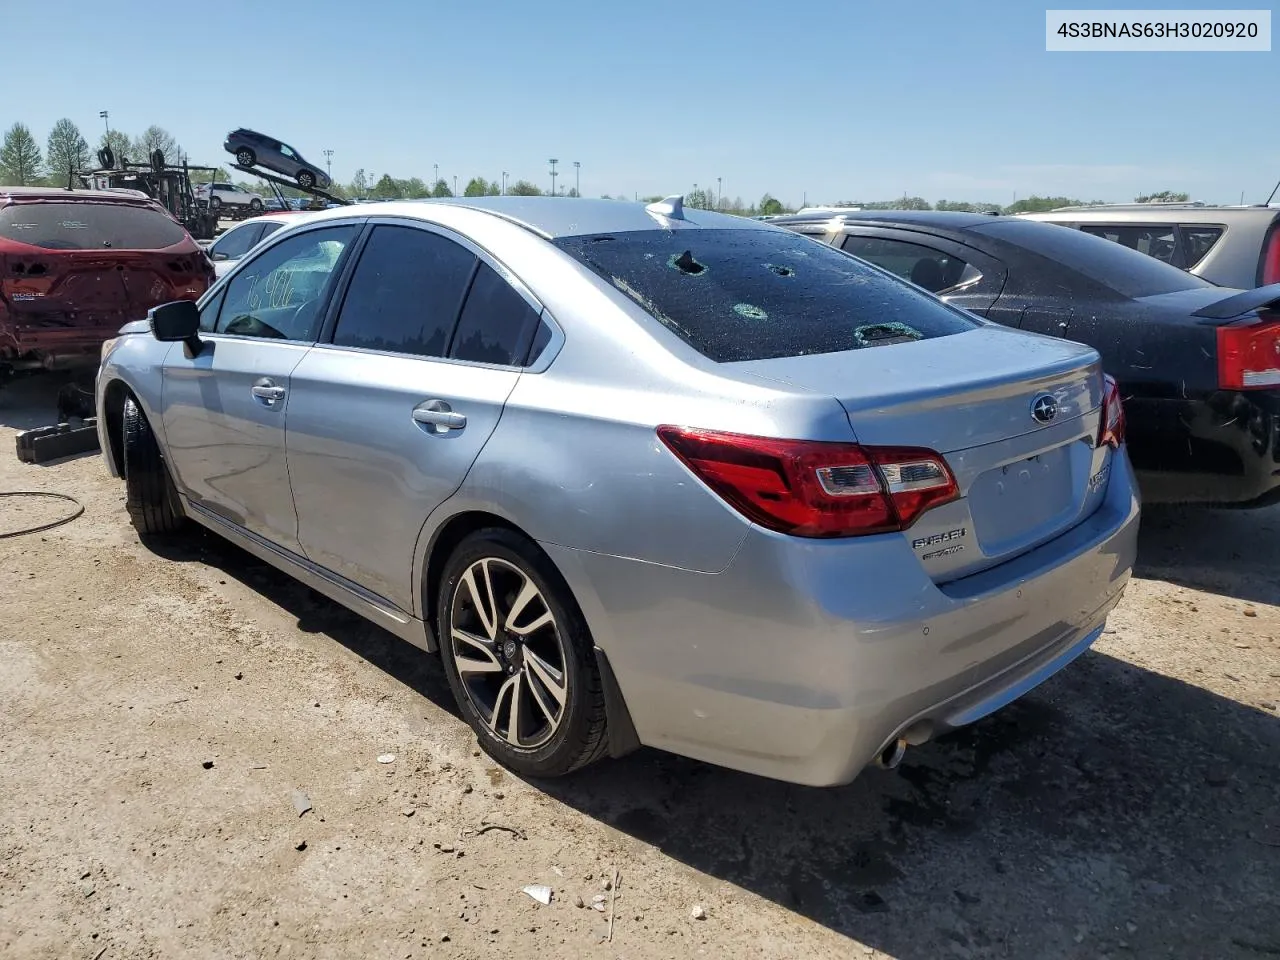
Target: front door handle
[
  {"x": 439, "y": 416},
  {"x": 267, "y": 390}
]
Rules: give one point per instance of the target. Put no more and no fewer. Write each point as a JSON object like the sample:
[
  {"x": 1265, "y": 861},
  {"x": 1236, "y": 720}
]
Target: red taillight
[
  {"x": 1111, "y": 432},
  {"x": 1249, "y": 356},
  {"x": 809, "y": 488},
  {"x": 1270, "y": 266}
]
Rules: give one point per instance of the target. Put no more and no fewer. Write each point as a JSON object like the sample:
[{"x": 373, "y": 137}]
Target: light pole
[
  {"x": 435, "y": 176},
  {"x": 695, "y": 195},
  {"x": 553, "y": 163},
  {"x": 455, "y": 184},
  {"x": 328, "y": 163},
  {"x": 577, "y": 178},
  {"x": 504, "y": 183},
  {"x": 105, "y": 122},
  {"x": 719, "y": 191}
]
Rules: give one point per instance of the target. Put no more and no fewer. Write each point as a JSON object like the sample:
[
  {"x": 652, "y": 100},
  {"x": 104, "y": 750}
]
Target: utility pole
[
  {"x": 105, "y": 122},
  {"x": 328, "y": 162},
  {"x": 435, "y": 176},
  {"x": 504, "y": 183},
  {"x": 577, "y": 178},
  {"x": 719, "y": 191},
  {"x": 553, "y": 163},
  {"x": 455, "y": 184}
]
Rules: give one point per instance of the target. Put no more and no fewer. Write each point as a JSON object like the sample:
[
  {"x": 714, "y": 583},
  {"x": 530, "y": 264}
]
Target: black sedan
[{"x": 1198, "y": 365}]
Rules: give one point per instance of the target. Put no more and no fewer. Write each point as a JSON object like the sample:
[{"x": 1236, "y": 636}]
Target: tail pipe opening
[{"x": 891, "y": 756}]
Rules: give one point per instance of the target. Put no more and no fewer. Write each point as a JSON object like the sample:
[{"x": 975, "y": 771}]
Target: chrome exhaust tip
[{"x": 891, "y": 755}]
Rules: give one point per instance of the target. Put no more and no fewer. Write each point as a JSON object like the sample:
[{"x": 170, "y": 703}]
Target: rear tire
[
  {"x": 551, "y": 668},
  {"x": 245, "y": 157},
  {"x": 306, "y": 179},
  {"x": 255, "y": 204},
  {"x": 150, "y": 496},
  {"x": 215, "y": 203}
]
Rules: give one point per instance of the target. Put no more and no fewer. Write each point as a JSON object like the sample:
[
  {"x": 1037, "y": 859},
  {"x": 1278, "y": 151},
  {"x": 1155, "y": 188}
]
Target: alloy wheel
[{"x": 509, "y": 653}]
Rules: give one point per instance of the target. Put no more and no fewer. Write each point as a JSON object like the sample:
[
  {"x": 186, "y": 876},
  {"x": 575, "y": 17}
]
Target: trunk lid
[{"x": 970, "y": 397}]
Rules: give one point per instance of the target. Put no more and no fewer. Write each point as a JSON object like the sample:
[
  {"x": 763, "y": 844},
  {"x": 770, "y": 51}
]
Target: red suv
[{"x": 76, "y": 265}]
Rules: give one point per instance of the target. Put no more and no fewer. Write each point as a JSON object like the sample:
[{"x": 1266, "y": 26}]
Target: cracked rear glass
[{"x": 737, "y": 295}]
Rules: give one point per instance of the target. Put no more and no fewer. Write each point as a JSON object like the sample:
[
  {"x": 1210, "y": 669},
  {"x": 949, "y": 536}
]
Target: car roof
[
  {"x": 947, "y": 219},
  {"x": 556, "y": 217},
  {"x": 110, "y": 195},
  {"x": 1156, "y": 213}
]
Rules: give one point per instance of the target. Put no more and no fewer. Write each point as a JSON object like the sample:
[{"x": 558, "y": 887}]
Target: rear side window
[
  {"x": 1198, "y": 241},
  {"x": 405, "y": 293},
  {"x": 1160, "y": 242},
  {"x": 235, "y": 243},
  {"x": 85, "y": 225},
  {"x": 757, "y": 294},
  {"x": 497, "y": 324},
  {"x": 1120, "y": 268},
  {"x": 924, "y": 266}
]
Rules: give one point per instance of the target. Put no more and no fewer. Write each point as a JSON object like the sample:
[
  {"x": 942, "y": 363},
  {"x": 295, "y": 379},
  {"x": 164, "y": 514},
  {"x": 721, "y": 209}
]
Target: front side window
[
  {"x": 278, "y": 294},
  {"x": 405, "y": 293},
  {"x": 288, "y": 152},
  {"x": 923, "y": 266},
  {"x": 758, "y": 294},
  {"x": 235, "y": 243},
  {"x": 497, "y": 323}
]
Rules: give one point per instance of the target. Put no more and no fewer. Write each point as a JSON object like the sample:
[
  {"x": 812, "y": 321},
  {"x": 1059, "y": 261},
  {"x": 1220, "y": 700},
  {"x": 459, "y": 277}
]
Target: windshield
[
  {"x": 758, "y": 294},
  {"x": 85, "y": 225},
  {"x": 1123, "y": 269}
]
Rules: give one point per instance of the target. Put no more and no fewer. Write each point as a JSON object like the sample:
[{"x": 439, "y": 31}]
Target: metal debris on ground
[
  {"x": 386, "y": 758},
  {"x": 487, "y": 825},
  {"x": 540, "y": 892},
  {"x": 301, "y": 802}
]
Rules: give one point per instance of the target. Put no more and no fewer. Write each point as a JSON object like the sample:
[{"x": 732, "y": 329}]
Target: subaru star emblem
[{"x": 1044, "y": 408}]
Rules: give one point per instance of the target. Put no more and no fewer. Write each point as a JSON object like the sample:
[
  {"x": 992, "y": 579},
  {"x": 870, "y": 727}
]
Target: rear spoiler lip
[{"x": 1241, "y": 303}]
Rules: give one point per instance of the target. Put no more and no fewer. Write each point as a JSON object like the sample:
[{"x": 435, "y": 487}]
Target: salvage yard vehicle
[
  {"x": 1198, "y": 365},
  {"x": 1229, "y": 246},
  {"x": 76, "y": 265},
  {"x": 241, "y": 238},
  {"x": 229, "y": 197},
  {"x": 253, "y": 149},
  {"x": 642, "y": 475}
]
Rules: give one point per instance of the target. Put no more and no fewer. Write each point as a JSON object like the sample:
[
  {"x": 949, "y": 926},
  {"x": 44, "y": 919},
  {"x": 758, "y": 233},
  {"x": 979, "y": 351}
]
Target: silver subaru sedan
[{"x": 641, "y": 475}]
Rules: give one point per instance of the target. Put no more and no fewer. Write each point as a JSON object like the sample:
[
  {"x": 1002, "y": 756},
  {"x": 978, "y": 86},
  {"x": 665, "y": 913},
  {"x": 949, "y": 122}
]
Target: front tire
[
  {"x": 245, "y": 157},
  {"x": 215, "y": 203},
  {"x": 519, "y": 657},
  {"x": 150, "y": 497},
  {"x": 255, "y": 204},
  {"x": 306, "y": 179}
]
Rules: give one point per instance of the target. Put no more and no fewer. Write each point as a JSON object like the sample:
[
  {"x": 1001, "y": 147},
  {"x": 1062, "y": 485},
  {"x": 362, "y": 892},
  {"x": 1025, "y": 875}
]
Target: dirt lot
[{"x": 157, "y": 713}]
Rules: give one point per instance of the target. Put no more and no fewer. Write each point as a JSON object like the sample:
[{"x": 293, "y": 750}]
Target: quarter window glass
[
  {"x": 278, "y": 294},
  {"x": 269, "y": 228},
  {"x": 923, "y": 266},
  {"x": 1154, "y": 241},
  {"x": 209, "y": 313},
  {"x": 236, "y": 243},
  {"x": 497, "y": 323},
  {"x": 1197, "y": 241},
  {"x": 405, "y": 293}
]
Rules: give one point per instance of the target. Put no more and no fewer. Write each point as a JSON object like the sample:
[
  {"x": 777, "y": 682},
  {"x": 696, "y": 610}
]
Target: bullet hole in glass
[
  {"x": 750, "y": 311},
  {"x": 780, "y": 270},
  {"x": 686, "y": 264},
  {"x": 882, "y": 334}
]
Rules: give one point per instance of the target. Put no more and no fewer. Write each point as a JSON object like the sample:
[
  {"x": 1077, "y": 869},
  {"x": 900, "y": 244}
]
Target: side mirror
[
  {"x": 177, "y": 321},
  {"x": 218, "y": 256}
]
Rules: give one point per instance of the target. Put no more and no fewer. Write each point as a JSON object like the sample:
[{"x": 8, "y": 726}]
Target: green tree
[
  {"x": 152, "y": 139},
  {"x": 494, "y": 189},
  {"x": 523, "y": 188},
  {"x": 770, "y": 206},
  {"x": 414, "y": 188},
  {"x": 476, "y": 187},
  {"x": 66, "y": 153},
  {"x": 1163, "y": 196},
  {"x": 966, "y": 207},
  {"x": 360, "y": 184},
  {"x": 119, "y": 143},
  {"x": 387, "y": 188},
  {"x": 20, "y": 159},
  {"x": 441, "y": 189},
  {"x": 1035, "y": 204}
]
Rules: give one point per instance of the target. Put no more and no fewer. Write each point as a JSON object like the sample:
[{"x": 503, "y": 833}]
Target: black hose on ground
[{"x": 44, "y": 526}]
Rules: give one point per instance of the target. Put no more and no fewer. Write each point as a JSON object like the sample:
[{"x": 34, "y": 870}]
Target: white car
[
  {"x": 228, "y": 249},
  {"x": 222, "y": 195}
]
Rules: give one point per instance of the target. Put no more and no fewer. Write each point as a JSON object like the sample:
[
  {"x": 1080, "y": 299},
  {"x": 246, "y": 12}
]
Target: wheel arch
[{"x": 113, "y": 398}]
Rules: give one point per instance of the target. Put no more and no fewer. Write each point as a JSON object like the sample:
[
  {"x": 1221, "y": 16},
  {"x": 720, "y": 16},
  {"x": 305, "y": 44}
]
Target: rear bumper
[
  {"x": 802, "y": 659},
  {"x": 1224, "y": 449}
]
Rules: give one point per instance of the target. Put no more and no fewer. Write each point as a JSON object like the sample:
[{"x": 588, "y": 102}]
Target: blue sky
[{"x": 845, "y": 100}]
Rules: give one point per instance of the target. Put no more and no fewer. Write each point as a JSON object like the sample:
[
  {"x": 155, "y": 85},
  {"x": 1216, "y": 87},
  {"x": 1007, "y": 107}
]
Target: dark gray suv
[
  {"x": 1229, "y": 246},
  {"x": 253, "y": 149}
]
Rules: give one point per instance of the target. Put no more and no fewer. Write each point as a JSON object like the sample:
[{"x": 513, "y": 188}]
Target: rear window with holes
[
  {"x": 85, "y": 225},
  {"x": 738, "y": 295}
]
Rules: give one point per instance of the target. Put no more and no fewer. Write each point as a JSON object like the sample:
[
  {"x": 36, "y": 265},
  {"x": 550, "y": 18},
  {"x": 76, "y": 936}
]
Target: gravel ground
[{"x": 159, "y": 712}]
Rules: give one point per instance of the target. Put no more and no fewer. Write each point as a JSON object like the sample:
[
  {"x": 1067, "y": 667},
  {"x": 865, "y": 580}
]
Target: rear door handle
[
  {"x": 267, "y": 390},
  {"x": 438, "y": 415}
]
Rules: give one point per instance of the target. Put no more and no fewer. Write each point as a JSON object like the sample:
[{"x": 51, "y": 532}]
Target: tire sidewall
[
  {"x": 241, "y": 155},
  {"x": 550, "y": 758}
]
